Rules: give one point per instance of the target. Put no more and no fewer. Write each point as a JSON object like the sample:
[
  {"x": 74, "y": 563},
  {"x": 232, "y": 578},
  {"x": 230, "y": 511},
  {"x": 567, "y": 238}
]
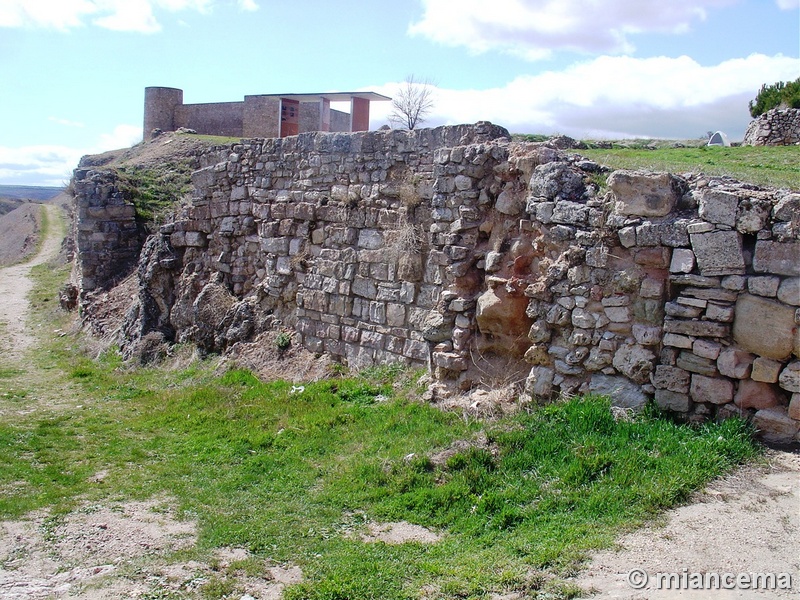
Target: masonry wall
[
  {"x": 489, "y": 261},
  {"x": 215, "y": 118}
]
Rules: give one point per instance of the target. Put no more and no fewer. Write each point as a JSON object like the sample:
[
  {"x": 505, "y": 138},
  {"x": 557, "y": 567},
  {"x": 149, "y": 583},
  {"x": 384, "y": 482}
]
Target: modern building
[{"x": 266, "y": 115}]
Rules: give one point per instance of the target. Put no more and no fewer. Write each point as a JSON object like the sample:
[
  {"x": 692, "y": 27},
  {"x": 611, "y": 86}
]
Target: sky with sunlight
[{"x": 73, "y": 72}]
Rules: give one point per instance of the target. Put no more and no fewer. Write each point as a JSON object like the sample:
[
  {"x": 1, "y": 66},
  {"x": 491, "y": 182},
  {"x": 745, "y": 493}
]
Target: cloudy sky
[{"x": 74, "y": 71}]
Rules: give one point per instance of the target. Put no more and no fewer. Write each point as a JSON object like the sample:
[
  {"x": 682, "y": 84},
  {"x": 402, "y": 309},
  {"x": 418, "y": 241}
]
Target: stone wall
[
  {"x": 776, "y": 127},
  {"x": 491, "y": 262}
]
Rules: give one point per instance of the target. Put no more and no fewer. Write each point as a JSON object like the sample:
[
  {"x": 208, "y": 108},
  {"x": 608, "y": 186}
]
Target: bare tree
[{"x": 413, "y": 102}]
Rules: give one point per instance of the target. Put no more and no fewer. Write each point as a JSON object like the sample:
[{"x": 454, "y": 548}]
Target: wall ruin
[{"x": 485, "y": 260}]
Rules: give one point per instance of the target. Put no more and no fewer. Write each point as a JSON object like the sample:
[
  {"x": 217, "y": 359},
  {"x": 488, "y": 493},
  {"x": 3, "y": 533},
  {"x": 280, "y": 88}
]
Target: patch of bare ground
[
  {"x": 19, "y": 233},
  {"x": 399, "y": 532},
  {"x": 268, "y": 361},
  {"x": 747, "y": 522},
  {"x": 122, "y": 550}
]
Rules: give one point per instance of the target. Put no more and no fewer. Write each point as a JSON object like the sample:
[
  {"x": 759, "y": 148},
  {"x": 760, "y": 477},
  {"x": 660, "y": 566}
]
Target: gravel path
[{"x": 15, "y": 284}]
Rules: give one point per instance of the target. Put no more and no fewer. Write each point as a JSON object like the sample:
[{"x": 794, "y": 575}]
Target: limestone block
[
  {"x": 537, "y": 355},
  {"x": 696, "y": 364},
  {"x": 764, "y": 286},
  {"x": 682, "y": 261},
  {"x": 370, "y": 239},
  {"x": 706, "y": 349},
  {"x": 675, "y": 309},
  {"x": 618, "y": 314},
  {"x": 764, "y": 327},
  {"x": 452, "y": 361},
  {"x": 556, "y": 180},
  {"x": 735, "y": 363},
  {"x": 644, "y": 194},
  {"x": 635, "y": 362},
  {"x": 789, "y": 378},
  {"x": 540, "y": 382},
  {"x": 670, "y": 378},
  {"x": 715, "y": 390},
  {"x": 678, "y": 341},
  {"x": 570, "y": 213},
  {"x": 720, "y": 312},
  {"x": 787, "y": 208},
  {"x": 623, "y": 393},
  {"x": 646, "y": 335},
  {"x": 598, "y": 359},
  {"x": 766, "y": 370},
  {"x": 675, "y": 401},
  {"x": 756, "y": 394},
  {"x": 696, "y": 328},
  {"x": 195, "y": 239},
  {"x": 539, "y": 332},
  {"x": 509, "y": 202},
  {"x": 778, "y": 258},
  {"x": 718, "y": 253},
  {"x": 774, "y": 425},
  {"x": 753, "y": 215},
  {"x": 717, "y": 206},
  {"x": 789, "y": 291},
  {"x": 794, "y": 407}
]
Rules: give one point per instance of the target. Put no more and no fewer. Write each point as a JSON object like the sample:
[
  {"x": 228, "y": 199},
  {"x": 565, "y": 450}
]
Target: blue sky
[{"x": 74, "y": 71}]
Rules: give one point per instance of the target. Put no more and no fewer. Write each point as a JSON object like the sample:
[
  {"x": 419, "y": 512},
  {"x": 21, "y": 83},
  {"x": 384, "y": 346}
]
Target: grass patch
[
  {"x": 776, "y": 166},
  {"x": 154, "y": 192},
  {"x": 293, "y": 476}
]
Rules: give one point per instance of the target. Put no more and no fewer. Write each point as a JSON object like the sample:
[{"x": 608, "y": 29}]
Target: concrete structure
[{"x": 266, "y": 115}]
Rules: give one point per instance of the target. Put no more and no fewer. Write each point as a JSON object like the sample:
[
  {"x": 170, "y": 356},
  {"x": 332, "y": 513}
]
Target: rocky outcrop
[
  {"x": 488, "y": 260},
  {"x": 776, "y": 127}
]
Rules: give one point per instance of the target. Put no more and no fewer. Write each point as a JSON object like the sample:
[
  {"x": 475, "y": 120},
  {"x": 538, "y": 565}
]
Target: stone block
[
  {"x": 753, "y": 215},
  {"x": 674, "y": 309},
  {"x": 794, "y": 407},
  {"x": 452, "y": 361},
  {"x": 677, "y": 341},
  {"x": 669, "y": 378},
  {"x": 635, "y": 362},
  {"x": 644, "y": 194},
  {"x": 540, "y": 382},
  {"x": 764, "y": 327},
  {"x": 646, "y": 335},
  {"x": 765, "y": 370},
  {"x": 674, "y": 401},
  {"x": 696, "y": 364},
  {"x": 777, "y": 258},
  {"x": 757, "y": 395},
  {"x": 706, "y": 349},
  {"x": 789, "y": 291},
  {"x": 719, "y": 312},
  {"x": 789, "y": 379},
  {"x": 764, "y": 286},
  {"x": 716, "y": 206},
  {"x": 696, "y": 328},
  {"x": 623, "y": 393},
  {"x": 682, "y": 261},
  {"x": 715, "y": 390},
  {"x": 718, "y": 253},
  {"x": 774, "y": 425},
  {"x": 735, "y": 363}
]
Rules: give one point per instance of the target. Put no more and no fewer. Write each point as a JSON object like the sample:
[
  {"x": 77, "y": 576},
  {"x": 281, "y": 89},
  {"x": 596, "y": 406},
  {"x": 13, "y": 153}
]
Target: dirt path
[
  {"x": 748, "y": 522},
  {"x": 15, "y": 284}
]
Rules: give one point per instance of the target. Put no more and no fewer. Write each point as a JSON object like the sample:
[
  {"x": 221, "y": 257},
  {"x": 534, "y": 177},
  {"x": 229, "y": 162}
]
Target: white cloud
[
  {"x": 612, "y": 97},
  {"x": 118, "y": 15},
  {"x": 788, "y": 4},
  {"x": 534, "y": 29},
  {"x": 53, "y": 165},
  {"x": 66, "y": 122}
]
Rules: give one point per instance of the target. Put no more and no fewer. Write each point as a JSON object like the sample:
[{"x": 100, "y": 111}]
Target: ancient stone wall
[
  {"x": 776, "y": 127},
  {"x": 491, "y": 262}
]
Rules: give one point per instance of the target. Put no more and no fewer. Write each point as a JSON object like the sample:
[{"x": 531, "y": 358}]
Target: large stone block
[
  {"x": 735, "y": 363},
  {"x": 715, "y": 390},
  {"x": 672, "y": 401},
  {"x": 635, "y": 362},
  {"x": 775, "y": 425},
  {"x": 644, "y": 194},
  {"x": 789, "y": 378},
  {"x": 764, "y": 327},
  {"x": 777, "y": 258},
  {"x": 718, "y": 253},
  {"x": 757, "y": 395},
  {"x": 623, "y": 393},
  {"x": 671, "y": 378},
  {"x": 719, "y": 207}
]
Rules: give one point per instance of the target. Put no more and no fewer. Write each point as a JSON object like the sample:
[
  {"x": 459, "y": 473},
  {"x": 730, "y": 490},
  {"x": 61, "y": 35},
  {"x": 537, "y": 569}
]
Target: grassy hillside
[{"x": 775, "y": 166}]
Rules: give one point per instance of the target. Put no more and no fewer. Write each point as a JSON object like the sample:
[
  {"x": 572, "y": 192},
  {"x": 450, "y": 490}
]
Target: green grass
[
  {"x": 776, "y": 166},
  {"x": 291, "y": 476}
]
